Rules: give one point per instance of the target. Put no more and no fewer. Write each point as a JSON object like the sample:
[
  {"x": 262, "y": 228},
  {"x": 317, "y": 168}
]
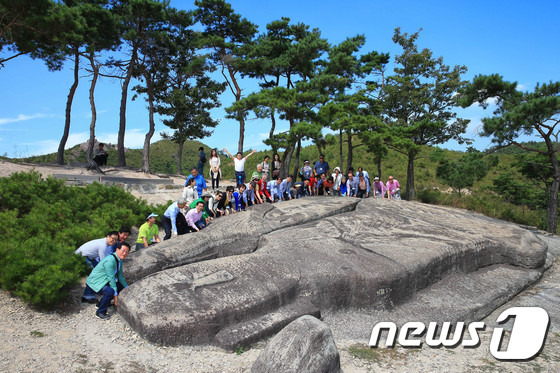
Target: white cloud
[
  {"x": 474, "y": 127},
  {"x": 492, "y": 101},
  {"x": 97, "y": 112},
  {"x": 255, "y": 141},
  {"x": 134, "y": 139},
  {"x": 51, "y": 145},
  {"x": 21, "y": 118}
]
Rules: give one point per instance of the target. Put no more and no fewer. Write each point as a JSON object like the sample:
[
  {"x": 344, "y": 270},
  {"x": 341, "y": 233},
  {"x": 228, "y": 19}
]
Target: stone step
[
  {"x": 251, "y": 331},
  {"x": 468, "y": 297},
  {"x": 111, "y": 179}
]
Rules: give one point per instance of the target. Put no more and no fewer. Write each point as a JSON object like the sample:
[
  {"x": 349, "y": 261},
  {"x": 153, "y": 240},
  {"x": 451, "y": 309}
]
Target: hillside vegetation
[{"x": 497, "y": 194}]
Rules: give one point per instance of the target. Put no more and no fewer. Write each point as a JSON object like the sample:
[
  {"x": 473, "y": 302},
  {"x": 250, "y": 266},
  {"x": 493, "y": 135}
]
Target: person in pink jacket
[{"x": 393, "y": 188}]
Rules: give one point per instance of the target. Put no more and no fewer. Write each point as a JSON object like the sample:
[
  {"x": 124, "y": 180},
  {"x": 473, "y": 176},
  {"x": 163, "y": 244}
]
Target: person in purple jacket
[
  {"x": 378, "y": 188},
  {"x": 193, "y": 216}
]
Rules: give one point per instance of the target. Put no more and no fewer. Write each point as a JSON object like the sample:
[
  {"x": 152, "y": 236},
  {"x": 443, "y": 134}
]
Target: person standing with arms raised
[{"x": 239, "y": 162}]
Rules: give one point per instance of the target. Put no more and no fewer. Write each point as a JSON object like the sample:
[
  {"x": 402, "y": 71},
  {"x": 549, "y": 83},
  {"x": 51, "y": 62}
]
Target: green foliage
[
  {"x": 418, "y": 102},
  {"x": 464, "y": 172},
  {"x": 487, "y": 204},
  {"x": 45, "y": 222},
  {"x": 512, "y": 188},
  {"x": 518, "y": 114}
]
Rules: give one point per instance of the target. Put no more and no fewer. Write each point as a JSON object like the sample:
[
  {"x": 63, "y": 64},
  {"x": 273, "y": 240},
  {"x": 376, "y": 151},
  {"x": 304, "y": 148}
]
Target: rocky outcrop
[
  {"x": 238, "y": 234},
  {"x": 304, "y": 346},
  {"x": 292, "y": 263}
]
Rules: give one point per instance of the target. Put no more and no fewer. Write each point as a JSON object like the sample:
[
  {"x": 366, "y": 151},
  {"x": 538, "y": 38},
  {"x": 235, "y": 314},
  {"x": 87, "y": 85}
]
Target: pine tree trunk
[
  {"x": 340, "y": 150},
  {"x": 410, "y": 193},
  {"x": 296, "y": 166},
  {"x": 148, "y": 138},
  {"x": 180, "y": 157},
  {"x": 64, "y": 139},
  {"x": 237, "y": 93},
  {"x": 288, "y": 155},
  {"x": 319, "y": 148},
  {"x": 91, "y": 164},
  {"x": 552, "y": 206},
  {"x": 350, "y": 152},
  {"x": 122, "y": 114},
  {"x": 241, "y": 134},
  {"x": 272, "y": 129}
]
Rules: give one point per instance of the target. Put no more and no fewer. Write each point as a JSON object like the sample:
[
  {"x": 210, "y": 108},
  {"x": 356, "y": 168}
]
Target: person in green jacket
[
  {"x": 148, "y": 234},
  {"x": 107, "y": 279}
]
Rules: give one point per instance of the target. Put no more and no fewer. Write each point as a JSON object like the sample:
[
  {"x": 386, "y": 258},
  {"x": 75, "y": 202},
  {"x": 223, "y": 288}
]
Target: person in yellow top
[{"x": 148, "y": 233}]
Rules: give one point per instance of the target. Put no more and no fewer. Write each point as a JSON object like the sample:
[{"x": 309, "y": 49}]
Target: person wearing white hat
[
  {"x": 306, "y": 171},
  {"x": 337, "y": 178},
  {"x": 148, "y": 232},
  {"x": 378, "y": 188}
]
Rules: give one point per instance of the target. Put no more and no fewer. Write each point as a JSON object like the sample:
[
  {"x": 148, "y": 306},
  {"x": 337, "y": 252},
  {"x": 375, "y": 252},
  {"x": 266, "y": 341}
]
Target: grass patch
[
  {"x": 377, "y": 354},
  {"x": 36, "y": 333}
]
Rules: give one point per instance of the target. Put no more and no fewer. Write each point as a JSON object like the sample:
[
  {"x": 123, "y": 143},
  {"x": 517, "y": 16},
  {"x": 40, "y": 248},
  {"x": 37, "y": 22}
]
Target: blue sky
[{"x": 517, "y": 39}]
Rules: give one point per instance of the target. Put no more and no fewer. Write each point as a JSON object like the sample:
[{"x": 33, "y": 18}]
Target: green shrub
[
  {"x": 46, "y": 221},
  {"x": 432, "y": 196}
]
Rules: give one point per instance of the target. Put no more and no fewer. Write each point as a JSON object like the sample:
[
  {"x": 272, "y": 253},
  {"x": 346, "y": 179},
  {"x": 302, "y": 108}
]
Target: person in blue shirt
[
  {"x": 274, "y": 189},
  {"x": 321, "y": 167},
  {"x": 169, "y": 218},
  {"x": 240, "y": 198},
  {"x": 199, "y": 180},
  {"x": 285, "y": 189},
  {"x": 343, "y": 187}
]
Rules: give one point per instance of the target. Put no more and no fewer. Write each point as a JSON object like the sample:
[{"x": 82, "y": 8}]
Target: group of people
[
  {"x": 317, "y": 180},
  {"x": 197, "y": 206},
  {"x": 104, "y": 256}
]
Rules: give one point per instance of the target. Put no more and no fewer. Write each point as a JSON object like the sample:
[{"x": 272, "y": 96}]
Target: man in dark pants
[
  {"x": 169, "y": 218},
  {"x": 100, "y": 155},
  {"x": 201, "y": 160},
  {"x": 107, "y": 280}
]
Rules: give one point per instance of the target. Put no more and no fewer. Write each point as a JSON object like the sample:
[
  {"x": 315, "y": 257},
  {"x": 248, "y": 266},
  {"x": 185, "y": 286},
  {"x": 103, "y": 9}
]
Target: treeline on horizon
[{"x": 169, "y": 57}]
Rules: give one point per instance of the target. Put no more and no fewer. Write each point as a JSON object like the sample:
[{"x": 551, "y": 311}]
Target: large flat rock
[
  {"x": 237, "y": 234},
  {"x": 376, "y": 255}
]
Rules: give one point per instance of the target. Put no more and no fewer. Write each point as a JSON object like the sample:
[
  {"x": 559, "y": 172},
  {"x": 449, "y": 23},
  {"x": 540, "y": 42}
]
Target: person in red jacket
[{"x": 263, "y": 191}]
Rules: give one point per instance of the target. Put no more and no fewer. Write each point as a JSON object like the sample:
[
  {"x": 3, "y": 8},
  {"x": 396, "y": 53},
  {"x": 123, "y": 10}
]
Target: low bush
[
  {"x": 45, "y": 221},
  {"x": 488, "y": 204}
]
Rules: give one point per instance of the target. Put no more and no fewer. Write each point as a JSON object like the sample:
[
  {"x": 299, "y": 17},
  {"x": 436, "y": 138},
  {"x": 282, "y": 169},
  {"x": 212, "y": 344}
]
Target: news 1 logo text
[{"x": 526, "y": 340}]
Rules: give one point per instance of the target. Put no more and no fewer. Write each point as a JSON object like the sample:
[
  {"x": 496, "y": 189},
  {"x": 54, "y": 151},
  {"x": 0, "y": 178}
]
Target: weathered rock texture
[
  {"x": 378, "y": 256},
  {"x": 238, "y": 234},
  {"x": 304, "y": 346}
]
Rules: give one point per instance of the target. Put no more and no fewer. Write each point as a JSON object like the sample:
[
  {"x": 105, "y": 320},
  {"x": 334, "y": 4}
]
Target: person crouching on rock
[
  {"x": 107, "y": 279},
  {"x": 206, "y": 214},
  {"x": 194, "y": 216},
  {"x": 169, "y": 218},
  {"x": 148, "y": 232}
]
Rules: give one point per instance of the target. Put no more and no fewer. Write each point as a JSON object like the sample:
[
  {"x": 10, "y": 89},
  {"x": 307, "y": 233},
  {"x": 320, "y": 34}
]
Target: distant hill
[
  {"x": 163, "y": 160},
  {"x": 512, "y": 149},
  {"x": 482, "y": 196},
  {"x": 163, "y": 156}
]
